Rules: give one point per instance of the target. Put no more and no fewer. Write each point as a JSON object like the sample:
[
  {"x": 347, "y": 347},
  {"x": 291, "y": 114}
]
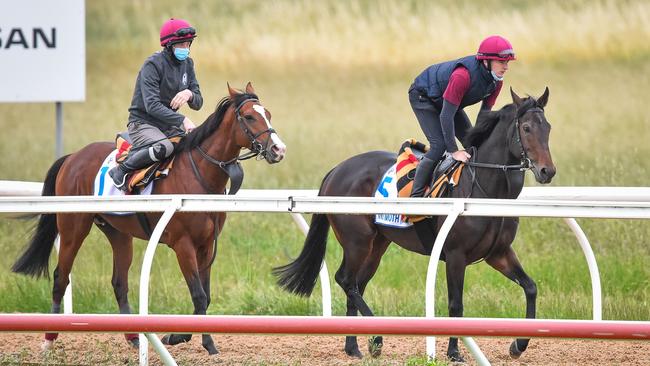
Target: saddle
[
  {"x": 445, "y": 178},
  {"x": 140, "y": 178}
]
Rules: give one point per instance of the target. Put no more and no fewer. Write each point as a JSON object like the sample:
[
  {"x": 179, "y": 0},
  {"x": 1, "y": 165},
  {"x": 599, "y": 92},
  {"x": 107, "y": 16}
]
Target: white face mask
[{"x": 495, "y": 76}]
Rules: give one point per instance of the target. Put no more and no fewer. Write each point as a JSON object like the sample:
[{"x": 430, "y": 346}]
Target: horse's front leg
[
  {"x": 206, "y": 256},
  {"x": 187, "y": 260},
  {"x": 456, "y": 264},
  {"x": 508, "y": 264}
]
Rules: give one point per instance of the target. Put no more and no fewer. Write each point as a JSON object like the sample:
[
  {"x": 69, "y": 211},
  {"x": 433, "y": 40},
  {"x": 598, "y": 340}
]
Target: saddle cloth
[
  {"x": 398, "y": 181},
  {"x": 104, "y": 187},
  {"x": 141, "y": 178}
]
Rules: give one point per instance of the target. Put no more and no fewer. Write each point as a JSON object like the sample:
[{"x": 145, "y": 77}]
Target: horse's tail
[
  {"x": 300, "y": 275},
  {"x": 34, "y": 260}
]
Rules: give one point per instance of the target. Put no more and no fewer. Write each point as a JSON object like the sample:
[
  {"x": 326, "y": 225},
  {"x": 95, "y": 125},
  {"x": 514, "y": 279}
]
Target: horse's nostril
[
  {"x": 547, "y": 173},
  {"x": 279, "y": 150}
]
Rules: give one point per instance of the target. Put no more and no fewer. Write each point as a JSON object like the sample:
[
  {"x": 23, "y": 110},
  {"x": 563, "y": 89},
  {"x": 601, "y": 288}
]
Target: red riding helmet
[
  {"x": 175, "y": 31},
  {"x": 495, "y": 48}
]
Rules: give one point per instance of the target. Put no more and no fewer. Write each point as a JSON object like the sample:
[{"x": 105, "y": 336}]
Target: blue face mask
[
  {"x": 495, "y": 77},
  {"x": 181, "y": 53}
]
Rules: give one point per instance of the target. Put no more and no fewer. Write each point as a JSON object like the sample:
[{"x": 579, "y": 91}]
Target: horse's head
[
  {"x": 532, "y": 135},
  {"x": 256, "y": 132}
]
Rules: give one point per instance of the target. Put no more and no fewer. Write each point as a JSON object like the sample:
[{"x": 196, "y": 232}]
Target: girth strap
[{"x": 144, "y": 223}]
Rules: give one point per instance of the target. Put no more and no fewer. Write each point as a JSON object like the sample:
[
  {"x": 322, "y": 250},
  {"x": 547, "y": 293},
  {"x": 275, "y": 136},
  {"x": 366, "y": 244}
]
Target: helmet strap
[{"x": 487, "y": 64}]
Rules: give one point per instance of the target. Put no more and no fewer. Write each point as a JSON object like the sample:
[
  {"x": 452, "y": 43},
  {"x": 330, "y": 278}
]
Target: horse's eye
[
  {"x": 526, "y": 128},
  {"x": 249, "y": 118}
]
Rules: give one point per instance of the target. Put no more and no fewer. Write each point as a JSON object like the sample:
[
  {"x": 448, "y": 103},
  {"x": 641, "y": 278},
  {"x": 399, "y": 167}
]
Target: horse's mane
[
  {"x": 487, "y": 121},
  {"x": 207, "y": 128}
]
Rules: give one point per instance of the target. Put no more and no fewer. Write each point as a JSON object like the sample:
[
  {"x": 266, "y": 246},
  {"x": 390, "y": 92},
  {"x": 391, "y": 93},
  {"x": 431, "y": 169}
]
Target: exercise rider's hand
[
  {"x": 180, "y": 99},
  {"x": 461, "y": 155},
  {"x": 188, "y": 125}
]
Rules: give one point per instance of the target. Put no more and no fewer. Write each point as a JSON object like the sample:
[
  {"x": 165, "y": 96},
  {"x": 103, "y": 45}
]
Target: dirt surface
[{"x": 112, "y": 349}]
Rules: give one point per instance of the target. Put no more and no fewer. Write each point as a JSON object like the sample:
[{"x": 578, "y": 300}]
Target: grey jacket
[{"x": 161, "y": 77}]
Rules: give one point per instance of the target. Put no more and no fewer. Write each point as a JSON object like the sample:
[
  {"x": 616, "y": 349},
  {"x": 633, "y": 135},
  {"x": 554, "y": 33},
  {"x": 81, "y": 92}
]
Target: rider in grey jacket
[{"x": 165, "y": 83}]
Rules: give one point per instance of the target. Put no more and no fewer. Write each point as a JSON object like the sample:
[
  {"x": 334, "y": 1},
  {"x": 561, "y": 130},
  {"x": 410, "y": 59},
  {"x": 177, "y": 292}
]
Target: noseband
[{"x": 232, "y": 167}]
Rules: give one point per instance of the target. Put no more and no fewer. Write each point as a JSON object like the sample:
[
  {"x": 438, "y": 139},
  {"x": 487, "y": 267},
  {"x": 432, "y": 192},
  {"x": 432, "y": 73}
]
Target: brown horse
[
  {"x": 202, "y": 162},
  {"x": 506, "y": 141}
]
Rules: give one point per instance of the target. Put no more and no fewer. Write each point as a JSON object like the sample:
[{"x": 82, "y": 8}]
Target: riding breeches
[
  {"x": 144, "y": 135},
  {"x": 428, "y": 116}
]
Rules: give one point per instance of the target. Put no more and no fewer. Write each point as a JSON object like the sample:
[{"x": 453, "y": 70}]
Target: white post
[
  {"x": 144, "y": 287},
  {"x": 430, "y": 295},
  {"x": 67, "y": 296},
  {"x": 58, "y": 150},
  {"x": 593, "y": 267}
]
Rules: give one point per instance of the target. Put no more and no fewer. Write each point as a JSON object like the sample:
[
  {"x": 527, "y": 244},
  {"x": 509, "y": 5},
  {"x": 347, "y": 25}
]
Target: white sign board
[{"x": 42, "y": 51}]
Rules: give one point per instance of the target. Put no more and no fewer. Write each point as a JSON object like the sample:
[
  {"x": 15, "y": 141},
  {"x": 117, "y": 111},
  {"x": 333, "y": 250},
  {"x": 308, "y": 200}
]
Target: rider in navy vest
[
  {"x": 165, "y": 83},
  {"x": 439, "y": 94}
]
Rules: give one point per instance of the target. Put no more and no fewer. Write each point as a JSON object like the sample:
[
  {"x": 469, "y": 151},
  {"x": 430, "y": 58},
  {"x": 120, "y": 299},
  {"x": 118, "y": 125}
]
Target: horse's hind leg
[
  {"x": 73, "y": 229},
  {"x": 508, "y": 264},
  {"x": 379, "y": 246},
  {"x": 357, "y": 244},
  {"x": 122, "y": 245}
]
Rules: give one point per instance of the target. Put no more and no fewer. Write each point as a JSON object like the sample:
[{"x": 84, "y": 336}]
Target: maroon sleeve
[
  {"x": 457, "y": 86},
  {"x": 492, "y": 98}
]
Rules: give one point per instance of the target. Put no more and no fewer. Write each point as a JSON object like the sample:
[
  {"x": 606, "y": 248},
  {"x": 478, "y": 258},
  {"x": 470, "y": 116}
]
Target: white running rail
[{"x": 561, "y": 202}]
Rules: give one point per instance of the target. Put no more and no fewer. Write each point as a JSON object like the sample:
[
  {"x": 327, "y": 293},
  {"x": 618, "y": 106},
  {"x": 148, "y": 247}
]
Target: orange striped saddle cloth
[{"x": 442, "y": 182}]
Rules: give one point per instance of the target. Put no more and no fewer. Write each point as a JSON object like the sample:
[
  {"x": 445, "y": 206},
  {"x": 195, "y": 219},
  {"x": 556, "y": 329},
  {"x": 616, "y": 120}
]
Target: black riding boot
[
  {"x": 136, "y": 160},
  {"x": 423, "y": 174}
]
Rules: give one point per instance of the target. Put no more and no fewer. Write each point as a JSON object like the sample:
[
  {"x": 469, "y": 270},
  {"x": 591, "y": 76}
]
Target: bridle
[
  {"x": 257, "y": 149},
  {"x": 232, "y": 167},
  {"x": 525, "y": 162}
]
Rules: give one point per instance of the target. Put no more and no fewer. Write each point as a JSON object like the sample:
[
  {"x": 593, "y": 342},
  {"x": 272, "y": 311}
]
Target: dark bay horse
[
  {"x": 202, "y": 159},
  {"x": 517, "y": 136}
]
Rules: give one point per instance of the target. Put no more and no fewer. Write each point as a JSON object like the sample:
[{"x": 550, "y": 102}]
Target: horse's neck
[
  {"x": 496, "y": 150},
  {"x": 220, "y": 146}
]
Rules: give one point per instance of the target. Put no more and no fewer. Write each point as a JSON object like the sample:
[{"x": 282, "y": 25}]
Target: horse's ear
[
  {"x": 232, "y": 91},
  {"x": 543, "y": 99},
  {"x": 515, "y": 98},
  {"x": 249, "y": 88}
]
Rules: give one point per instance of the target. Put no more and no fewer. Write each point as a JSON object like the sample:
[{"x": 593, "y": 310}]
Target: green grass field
[{"x": 335, "y": 77}]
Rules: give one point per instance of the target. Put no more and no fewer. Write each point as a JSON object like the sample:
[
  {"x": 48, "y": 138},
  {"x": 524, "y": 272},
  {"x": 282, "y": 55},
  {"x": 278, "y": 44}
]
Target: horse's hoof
[
  {"x": 374, "y": 346},
  {"x": 47, "y": 345},
  {"x": 515, "y": 353},
  {"x": 133, "y": 340},
  {"x": 211, "y": 348},
  {"x": 174, "y": 339},
  {"x": 354, "y": 353},
  {"x": 456, "y": 357},
  {"x": 134, "y": 343}
]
